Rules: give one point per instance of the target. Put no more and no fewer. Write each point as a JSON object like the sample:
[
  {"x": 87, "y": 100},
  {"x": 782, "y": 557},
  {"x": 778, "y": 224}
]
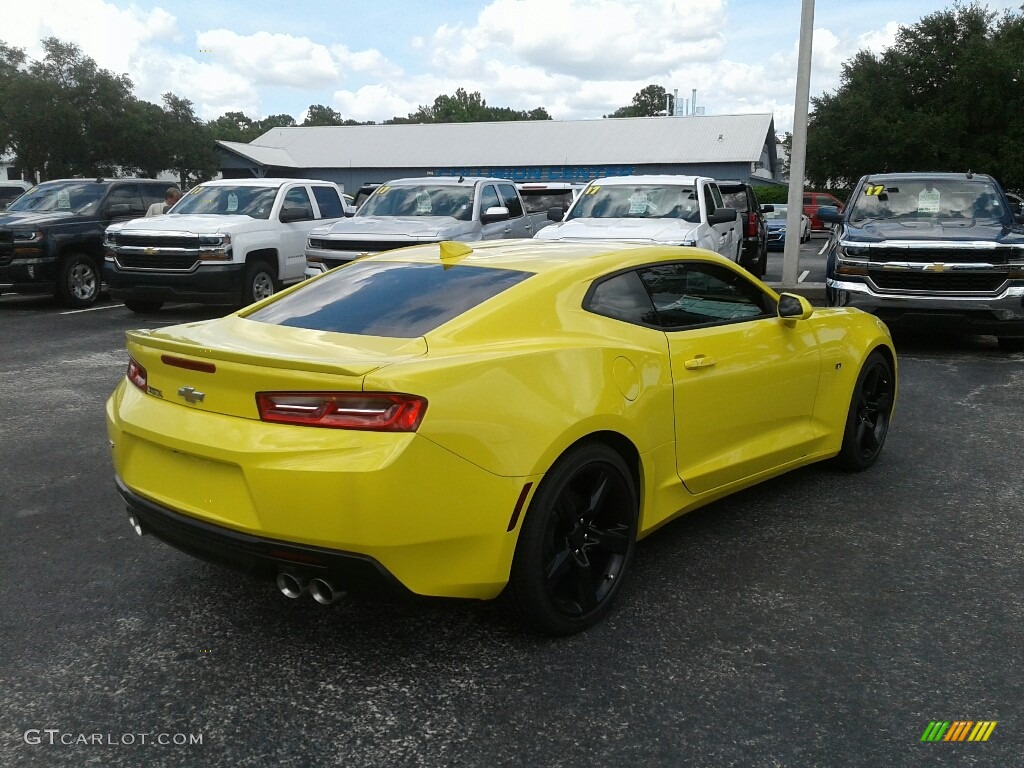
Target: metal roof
[{"x": 611, "y": 141}]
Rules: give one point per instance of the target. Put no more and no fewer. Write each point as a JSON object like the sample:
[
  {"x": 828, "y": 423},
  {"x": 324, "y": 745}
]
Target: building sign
[{"x": 539, "y": 173}]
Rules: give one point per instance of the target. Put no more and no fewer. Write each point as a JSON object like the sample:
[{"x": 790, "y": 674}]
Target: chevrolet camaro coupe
[{"x": 505, "y": 419}]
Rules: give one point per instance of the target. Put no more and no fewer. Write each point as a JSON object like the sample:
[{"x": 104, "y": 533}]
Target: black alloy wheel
[
  {"x": 576, "y": 543},
  {"x": 867, "y": 423}
]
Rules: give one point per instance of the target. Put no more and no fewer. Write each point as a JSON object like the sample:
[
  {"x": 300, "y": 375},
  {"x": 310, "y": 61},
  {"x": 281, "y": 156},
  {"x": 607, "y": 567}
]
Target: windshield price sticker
[
  {"x": 383, "y": 189},
  {"x": 423, "y": 202},
  {"x": 928, "y": 201},
  {"x": 638, "y": 203},
  {"x": 63, "y": 200},
  {"x": 591, "y": 191},
  {"x": 232, "y": 202},
  {"x": 874, "y": 190}
]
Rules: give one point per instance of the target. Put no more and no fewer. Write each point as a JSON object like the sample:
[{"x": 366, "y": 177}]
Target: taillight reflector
[
  {"x": 192, "y": 365},
  {"x": 136, "y": 374},
  {"x": 371, "y": 411},
  {"x": 751, "y": 224}
]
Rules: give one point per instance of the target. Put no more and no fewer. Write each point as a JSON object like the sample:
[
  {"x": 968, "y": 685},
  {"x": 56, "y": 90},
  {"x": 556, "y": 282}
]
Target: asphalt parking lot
[{"x": 820, "y": 619}]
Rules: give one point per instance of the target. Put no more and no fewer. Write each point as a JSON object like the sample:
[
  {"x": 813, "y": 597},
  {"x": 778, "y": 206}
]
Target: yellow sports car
[{"x": 506, "y": 419}]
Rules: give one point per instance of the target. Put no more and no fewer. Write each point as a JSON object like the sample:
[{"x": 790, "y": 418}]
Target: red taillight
[
  {"x": 374, "y": 411},
  {"x": 751, "y": 224},
  {"x": 136, "y": 374}
]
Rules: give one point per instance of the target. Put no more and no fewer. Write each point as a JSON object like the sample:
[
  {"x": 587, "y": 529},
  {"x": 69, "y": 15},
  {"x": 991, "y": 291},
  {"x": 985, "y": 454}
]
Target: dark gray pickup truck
[{"x": 942, "y": 250}]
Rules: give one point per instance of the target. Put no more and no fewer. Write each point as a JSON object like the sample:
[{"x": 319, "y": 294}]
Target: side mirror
[
  {"x": 723, "y": 216},
  {"x": 556, "y": 213},
  {"x": 767, "y": 209},
  {"x": 830, "y": 214},
  {"x": 292, "y": 213},
  {"x": 793, "y": 307},
  {"x": 495, "y": 213}
]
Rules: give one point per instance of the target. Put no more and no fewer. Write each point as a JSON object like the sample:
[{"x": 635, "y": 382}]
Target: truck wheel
[
  {"x": 259, "y": 283},
  {"x": 142, "y": 306},
  {"x": 78, "y": 281}
]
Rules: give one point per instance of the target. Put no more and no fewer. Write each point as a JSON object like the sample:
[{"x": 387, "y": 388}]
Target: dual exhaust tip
[
  {"x": 322, "y": 590},
  {"x": 291, "y": 585}
]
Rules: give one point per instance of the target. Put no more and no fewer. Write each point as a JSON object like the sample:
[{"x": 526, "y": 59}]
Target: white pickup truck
[
  {"x": 662, "y": 209},
  {"x": 421, "y": 210},
  {"x": 232, "y": 241}
]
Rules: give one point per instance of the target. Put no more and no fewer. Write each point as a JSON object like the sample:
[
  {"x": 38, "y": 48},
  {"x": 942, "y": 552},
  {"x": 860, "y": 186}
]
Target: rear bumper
[
  {"x": 261, "y": 557},
  {"x": 208, "y": 284},
  {"x": 1001, "y": 315}
]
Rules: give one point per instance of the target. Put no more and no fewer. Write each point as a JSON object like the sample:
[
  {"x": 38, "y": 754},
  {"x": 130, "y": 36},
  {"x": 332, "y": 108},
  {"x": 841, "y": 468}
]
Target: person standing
[{"x": 156, "y": 209}]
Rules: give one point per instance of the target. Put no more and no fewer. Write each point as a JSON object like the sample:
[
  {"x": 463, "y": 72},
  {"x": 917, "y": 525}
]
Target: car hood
[
  {"x": 41, "y": 219},
  {"x": 200, "y": 223},
  {"x": 655, "y": 230},
  {"x": 414, "y": 227},
  {"x": 777, "y": 224},
  {"x": 949, "y": 230}
]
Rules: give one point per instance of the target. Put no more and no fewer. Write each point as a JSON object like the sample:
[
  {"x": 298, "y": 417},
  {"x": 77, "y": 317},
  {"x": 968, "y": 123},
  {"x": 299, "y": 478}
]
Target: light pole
[{"x": 798, "y": 151}]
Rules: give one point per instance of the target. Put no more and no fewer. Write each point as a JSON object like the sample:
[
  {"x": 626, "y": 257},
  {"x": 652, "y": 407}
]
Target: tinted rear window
[{"x": 400, "y": 300}]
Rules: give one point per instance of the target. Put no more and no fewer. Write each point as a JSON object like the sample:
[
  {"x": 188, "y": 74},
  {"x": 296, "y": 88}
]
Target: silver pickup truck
[{"x": 421, "y": 210}]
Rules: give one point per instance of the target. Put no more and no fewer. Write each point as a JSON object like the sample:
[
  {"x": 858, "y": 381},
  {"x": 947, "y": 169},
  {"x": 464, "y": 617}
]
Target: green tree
[
  {"x": 63, "y": 115},
  {"x": 192, "y": 157},
  {"x": 947, "y": 95},
  {"x": 464, "y": 107},
  {"x": 233, "y": 126},
  {"x": 647, "y": 102},
  {"x": 318, "y": 114}
]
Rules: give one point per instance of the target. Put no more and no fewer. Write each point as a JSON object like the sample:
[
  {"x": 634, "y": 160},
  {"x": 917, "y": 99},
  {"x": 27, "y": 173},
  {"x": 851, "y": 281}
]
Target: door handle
[{"x": 700, "y": 361}]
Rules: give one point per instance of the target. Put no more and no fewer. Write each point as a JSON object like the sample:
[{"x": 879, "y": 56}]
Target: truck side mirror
[
  {"x": 494, "y": 213},
  {"x": 556, "y": 213}
]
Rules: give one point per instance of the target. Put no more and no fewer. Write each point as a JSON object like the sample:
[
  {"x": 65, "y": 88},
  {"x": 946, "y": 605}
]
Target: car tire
[
  {"x": 867, "y": 422},
  {"x": 762, "y": 263},
  {"x": 259, "y": 283},
  {"x": 143, "y": 307},
  {"x": 1011, "y": 343},
  {"x": 78, "y": 281},
  {"x": 576, "y": 542}
]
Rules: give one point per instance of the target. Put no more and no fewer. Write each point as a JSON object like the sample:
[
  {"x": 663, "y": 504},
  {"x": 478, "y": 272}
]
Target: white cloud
[
  {"x": 371, "y": 62},
  {"x": 373, "y": 102},
  {"x": 271, "y": 59}
]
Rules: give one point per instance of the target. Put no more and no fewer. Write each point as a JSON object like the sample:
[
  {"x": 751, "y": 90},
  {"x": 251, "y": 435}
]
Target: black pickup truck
[{"x": 51, "y": 238}]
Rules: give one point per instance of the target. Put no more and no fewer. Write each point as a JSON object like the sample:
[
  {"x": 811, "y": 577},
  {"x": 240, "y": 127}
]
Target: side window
[
  {"x": 329, "y": 202},
  {"x": 808, "y": 200},
  {"x": 126, "y": 194},
  {"x": 488, "y": 199},
  {"x": 512, "y": 201},
  {"x": 709, "y": 200},
  {"x": 716, "y": 195},
  {"x": 692, "y": 294},
  {"x": 622, "y": 297},
  {"x": 297, "y": 197},
  {"x": 153, "y": 193}
]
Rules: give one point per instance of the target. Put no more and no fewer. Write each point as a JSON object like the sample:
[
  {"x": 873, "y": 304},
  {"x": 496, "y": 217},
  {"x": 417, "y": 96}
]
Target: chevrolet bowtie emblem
[
  {"x": 190, "y": 394},
  {"x": 149, "y": 251},
  {"x": 936, "y": 267}
]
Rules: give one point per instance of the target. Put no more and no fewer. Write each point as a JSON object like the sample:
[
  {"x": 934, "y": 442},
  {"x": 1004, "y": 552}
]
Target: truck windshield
[
  {"x": 929, "y": 199},
  {"x": 420, "y": 200},
  {"x": 630, "y": 201},
  {"x": 243, "y": 200},
  {"x": 81, "y": 197}
]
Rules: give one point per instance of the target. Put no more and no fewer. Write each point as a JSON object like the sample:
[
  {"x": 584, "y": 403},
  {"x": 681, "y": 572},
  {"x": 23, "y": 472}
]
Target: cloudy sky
[{"x": 373, "y": 60}]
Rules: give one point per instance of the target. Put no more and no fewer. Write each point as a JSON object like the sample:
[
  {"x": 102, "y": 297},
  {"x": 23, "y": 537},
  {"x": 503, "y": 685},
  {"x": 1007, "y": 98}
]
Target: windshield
[
  {"x": 779, "y": 212},
  {"x": 420, "y": 200},
  {"x": 256, "y": 202},
  {"x": 81, "y": 197},
  {"x": 645, "y": 201},
  {"x": 929, "y": 199}
]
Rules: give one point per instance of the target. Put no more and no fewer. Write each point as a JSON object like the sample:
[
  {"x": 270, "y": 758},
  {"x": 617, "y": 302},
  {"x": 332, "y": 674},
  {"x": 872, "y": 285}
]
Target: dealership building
[{"x": 739, "y": 147}]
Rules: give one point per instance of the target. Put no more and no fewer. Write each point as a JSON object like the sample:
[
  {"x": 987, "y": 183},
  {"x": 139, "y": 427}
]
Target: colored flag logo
[{"x": 958, "y": 730}]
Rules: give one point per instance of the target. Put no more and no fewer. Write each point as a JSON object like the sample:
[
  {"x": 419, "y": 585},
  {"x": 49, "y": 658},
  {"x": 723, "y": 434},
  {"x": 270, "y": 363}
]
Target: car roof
[
  {"x": 456, "y": 181},
  {"x": 660, "y": 178},
  {"x": 907, "y": 176},
  {"x": 267, "y": 181}
]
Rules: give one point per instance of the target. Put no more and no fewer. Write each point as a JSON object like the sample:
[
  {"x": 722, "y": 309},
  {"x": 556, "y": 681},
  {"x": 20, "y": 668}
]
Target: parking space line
[
  {"x": 91, "y": 309},
  {"x": 803, "y": 276},
  {"x": 823, "y": 247}
]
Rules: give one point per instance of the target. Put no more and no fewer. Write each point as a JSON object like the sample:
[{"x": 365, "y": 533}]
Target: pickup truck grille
[
  {"x": 158, "y": 241},
  {"x": 939, "y": 282},
  {"x": 164, "y": 261},
  {"x": 360, "y": 246},
  {"x": 939, "y": 255}
]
